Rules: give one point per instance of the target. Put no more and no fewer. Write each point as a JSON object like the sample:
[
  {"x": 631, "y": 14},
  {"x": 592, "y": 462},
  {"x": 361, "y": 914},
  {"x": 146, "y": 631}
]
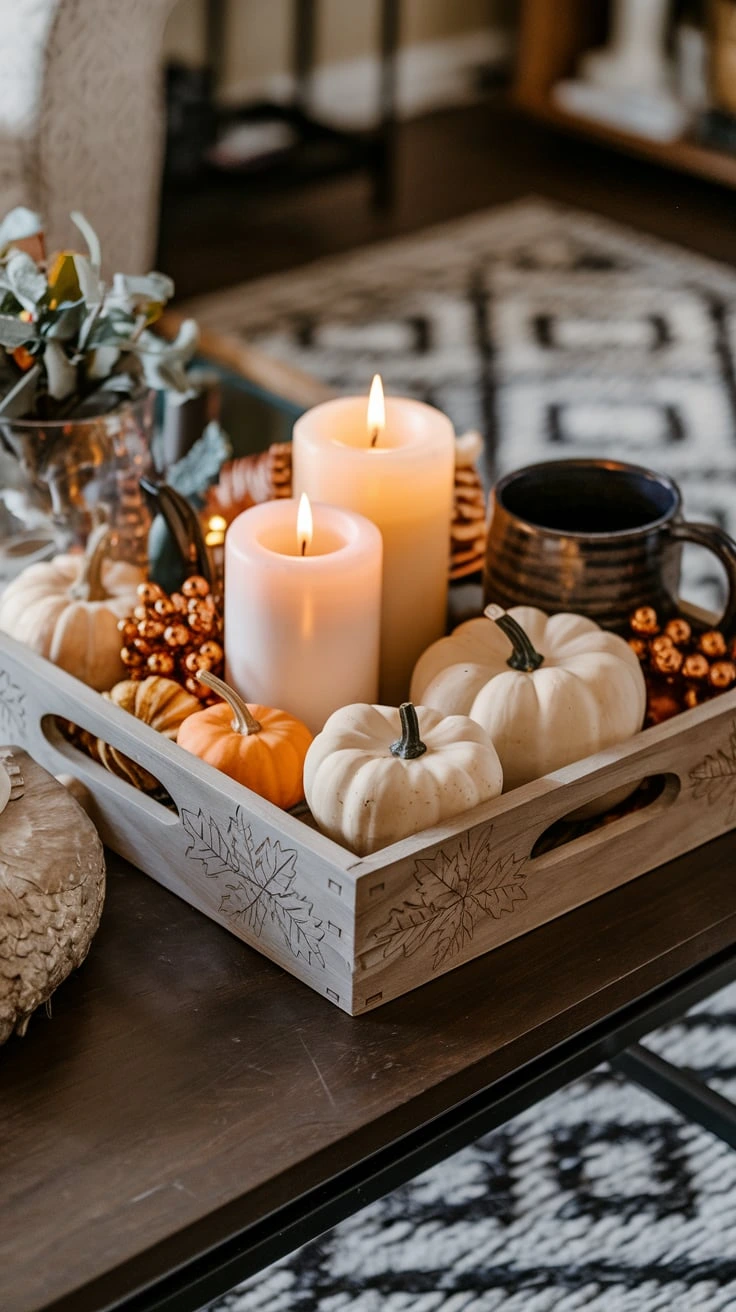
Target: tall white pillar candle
[
  {"x": 302, "y": 629},
  {"x": 403, "y": 481}
]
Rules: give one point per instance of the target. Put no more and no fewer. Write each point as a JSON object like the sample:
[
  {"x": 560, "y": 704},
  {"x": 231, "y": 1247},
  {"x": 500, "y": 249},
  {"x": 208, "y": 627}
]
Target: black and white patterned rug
[
  {"x": 554, "y": 332},
  {"x": 600, "y": 1199}
]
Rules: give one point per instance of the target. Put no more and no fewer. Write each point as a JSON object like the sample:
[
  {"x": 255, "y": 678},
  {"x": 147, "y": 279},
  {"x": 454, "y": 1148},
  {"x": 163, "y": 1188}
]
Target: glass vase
[{"x": 60, "y": 478}]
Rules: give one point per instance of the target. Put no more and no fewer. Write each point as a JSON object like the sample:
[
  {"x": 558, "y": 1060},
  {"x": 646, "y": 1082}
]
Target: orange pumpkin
[{"x": 257, "y": 746}]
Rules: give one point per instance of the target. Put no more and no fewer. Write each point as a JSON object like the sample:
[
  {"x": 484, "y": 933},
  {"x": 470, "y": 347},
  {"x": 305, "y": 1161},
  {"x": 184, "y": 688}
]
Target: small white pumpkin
[
  {"x": 375, "y": 774},
  {"x": 67, "y": 610},
  {"x": 548, "y": 690}
]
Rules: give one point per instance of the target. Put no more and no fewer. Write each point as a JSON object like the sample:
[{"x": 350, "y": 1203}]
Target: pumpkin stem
[
  {"x": 89, "y": 585},
  {"x": 409, "y": 745},
  {"x": 243, "y": 721},
  {"x": 524, "y": 656}
]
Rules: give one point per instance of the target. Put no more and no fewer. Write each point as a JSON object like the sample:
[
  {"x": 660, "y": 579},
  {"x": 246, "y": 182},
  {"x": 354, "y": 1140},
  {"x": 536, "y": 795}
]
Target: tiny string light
[{"x": 216, "y": 529}]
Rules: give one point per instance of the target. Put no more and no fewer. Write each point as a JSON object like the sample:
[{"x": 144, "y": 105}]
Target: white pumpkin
[
  {"x": 548, "y": 690},
  {"x": 67, "y": 609},
  {"x": 375, "y": 774}
]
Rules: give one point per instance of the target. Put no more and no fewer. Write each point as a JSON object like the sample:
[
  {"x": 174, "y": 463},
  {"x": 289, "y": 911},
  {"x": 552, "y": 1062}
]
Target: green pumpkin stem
[
  {"x": 524, "y": 656},
  {"x": 409, "y": 745},
  {"x": 243, "y": 720},
  {"x": 89, "y": 585}
]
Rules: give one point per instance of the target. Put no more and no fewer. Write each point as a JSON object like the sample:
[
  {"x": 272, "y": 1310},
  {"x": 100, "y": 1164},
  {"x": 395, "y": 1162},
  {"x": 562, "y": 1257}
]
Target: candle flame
[
  {"x": 304, "y": 523},
  {"x": 376, "y": 409}
]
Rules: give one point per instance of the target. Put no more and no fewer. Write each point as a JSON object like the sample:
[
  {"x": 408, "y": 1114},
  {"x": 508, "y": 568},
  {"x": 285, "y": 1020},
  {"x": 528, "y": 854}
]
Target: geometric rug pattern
[
  {"x": 599, "y": 1199},
  {"x": 554, "y": 332}
]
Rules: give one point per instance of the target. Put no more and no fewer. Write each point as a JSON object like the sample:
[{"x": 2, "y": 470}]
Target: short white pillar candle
[{"x": 302, "y": 626}]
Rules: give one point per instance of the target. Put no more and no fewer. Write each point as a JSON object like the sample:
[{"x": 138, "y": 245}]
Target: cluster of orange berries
[
  {"x": 174, "y": 635},
  {"x": 682, "y": 666}
]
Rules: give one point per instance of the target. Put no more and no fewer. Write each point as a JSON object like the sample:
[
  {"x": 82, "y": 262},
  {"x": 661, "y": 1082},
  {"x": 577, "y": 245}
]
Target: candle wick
[
  {"x": 375, "y": 435},
  {"x": 304, "y": 546}
]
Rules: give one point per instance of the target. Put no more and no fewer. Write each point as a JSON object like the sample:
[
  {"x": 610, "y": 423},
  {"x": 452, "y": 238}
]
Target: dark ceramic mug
[{"x": 596, "y": 537}]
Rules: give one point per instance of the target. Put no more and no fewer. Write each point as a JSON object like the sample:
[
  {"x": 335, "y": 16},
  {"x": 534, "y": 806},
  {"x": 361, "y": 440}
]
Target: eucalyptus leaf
[
  {"x": 90, "y": 284},
  {"x": 91, "y": 342},
  {"x": 19, "y": 224},
  {"x": 60, "y": 372},
  {"x": 164, "y": 363},
  {"x": 22, "y": 277},
  {"x": 86, "y": 330},
  {"x": 110, "y": 332},
  {"x": 200, "y": 467},
  {"x": 169, "y": 377},
  {"x": 186, "y": 341},
  {"x": 91, "y": 238},
  {"x": 181, "y": 350},
  {"x": 16, "y": 332},
  {"x": 63, "y": 323},
  {"x": 128, "y": 290}
]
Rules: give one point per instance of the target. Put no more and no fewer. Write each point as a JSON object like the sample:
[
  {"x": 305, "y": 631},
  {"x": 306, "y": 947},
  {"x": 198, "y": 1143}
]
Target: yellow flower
[{"x": 62, "y": 276}]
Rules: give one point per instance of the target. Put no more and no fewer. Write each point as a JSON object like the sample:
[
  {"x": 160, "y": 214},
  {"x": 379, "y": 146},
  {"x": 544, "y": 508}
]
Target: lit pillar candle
[
  {"x": 397, "y": 468},
  {"x": 303, "y": 608}
]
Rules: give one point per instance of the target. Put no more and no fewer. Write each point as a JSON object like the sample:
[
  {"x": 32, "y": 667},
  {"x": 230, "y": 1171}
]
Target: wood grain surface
[{"x": 186, "y": 1086}]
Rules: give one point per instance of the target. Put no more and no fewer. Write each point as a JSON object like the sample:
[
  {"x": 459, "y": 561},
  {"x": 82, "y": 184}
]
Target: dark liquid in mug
[{"x": 587, "y": 499}]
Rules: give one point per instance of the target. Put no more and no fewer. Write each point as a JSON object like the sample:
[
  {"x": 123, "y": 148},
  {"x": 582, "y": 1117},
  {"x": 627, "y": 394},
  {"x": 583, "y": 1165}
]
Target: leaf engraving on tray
[
  {"x": 714, "y": 778},
  {"x": 455, "y": 889},
  {"x": 258, "y": 882},
  {"x": 12, "y": 707}
]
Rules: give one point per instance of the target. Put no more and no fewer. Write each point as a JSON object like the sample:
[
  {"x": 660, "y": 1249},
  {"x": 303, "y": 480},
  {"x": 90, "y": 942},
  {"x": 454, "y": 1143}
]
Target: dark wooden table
[{"x": 190, "y": 1112}]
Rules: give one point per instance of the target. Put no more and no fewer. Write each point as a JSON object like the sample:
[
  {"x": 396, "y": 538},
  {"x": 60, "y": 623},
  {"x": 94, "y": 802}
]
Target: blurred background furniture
[
  {"x": 553, "y": 45},
  {"x": 81, "y": 120},
  {"x": 304, "y": 144}
]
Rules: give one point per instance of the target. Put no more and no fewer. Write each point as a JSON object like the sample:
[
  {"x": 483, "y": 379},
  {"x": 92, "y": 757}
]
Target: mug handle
[{"x": 723, "y": 546}]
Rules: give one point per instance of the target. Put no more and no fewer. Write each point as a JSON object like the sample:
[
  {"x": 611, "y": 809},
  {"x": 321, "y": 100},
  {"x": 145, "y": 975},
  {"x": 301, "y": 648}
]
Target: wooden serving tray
[{"x": 363, "y": 931}]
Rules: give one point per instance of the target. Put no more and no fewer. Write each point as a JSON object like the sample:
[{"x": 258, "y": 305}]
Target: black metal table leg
[{"x": 695, "y": 1100}]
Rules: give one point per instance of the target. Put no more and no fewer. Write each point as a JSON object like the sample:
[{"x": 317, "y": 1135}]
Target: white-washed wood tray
[{"x": 363, "y": 931}]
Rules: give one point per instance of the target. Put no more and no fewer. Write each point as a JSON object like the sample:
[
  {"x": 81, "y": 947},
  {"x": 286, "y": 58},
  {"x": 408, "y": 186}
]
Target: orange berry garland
[
  {"x": 695, "y": 667},
  {"x": 713, "y": 645},
  {"x": 174, "y": 636},
  {"x": 679, "y": 631},
  {"x": 682, "y": 667},
  {"x": 644, "y": 622},
  {"x": 722, "y": 675}
]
